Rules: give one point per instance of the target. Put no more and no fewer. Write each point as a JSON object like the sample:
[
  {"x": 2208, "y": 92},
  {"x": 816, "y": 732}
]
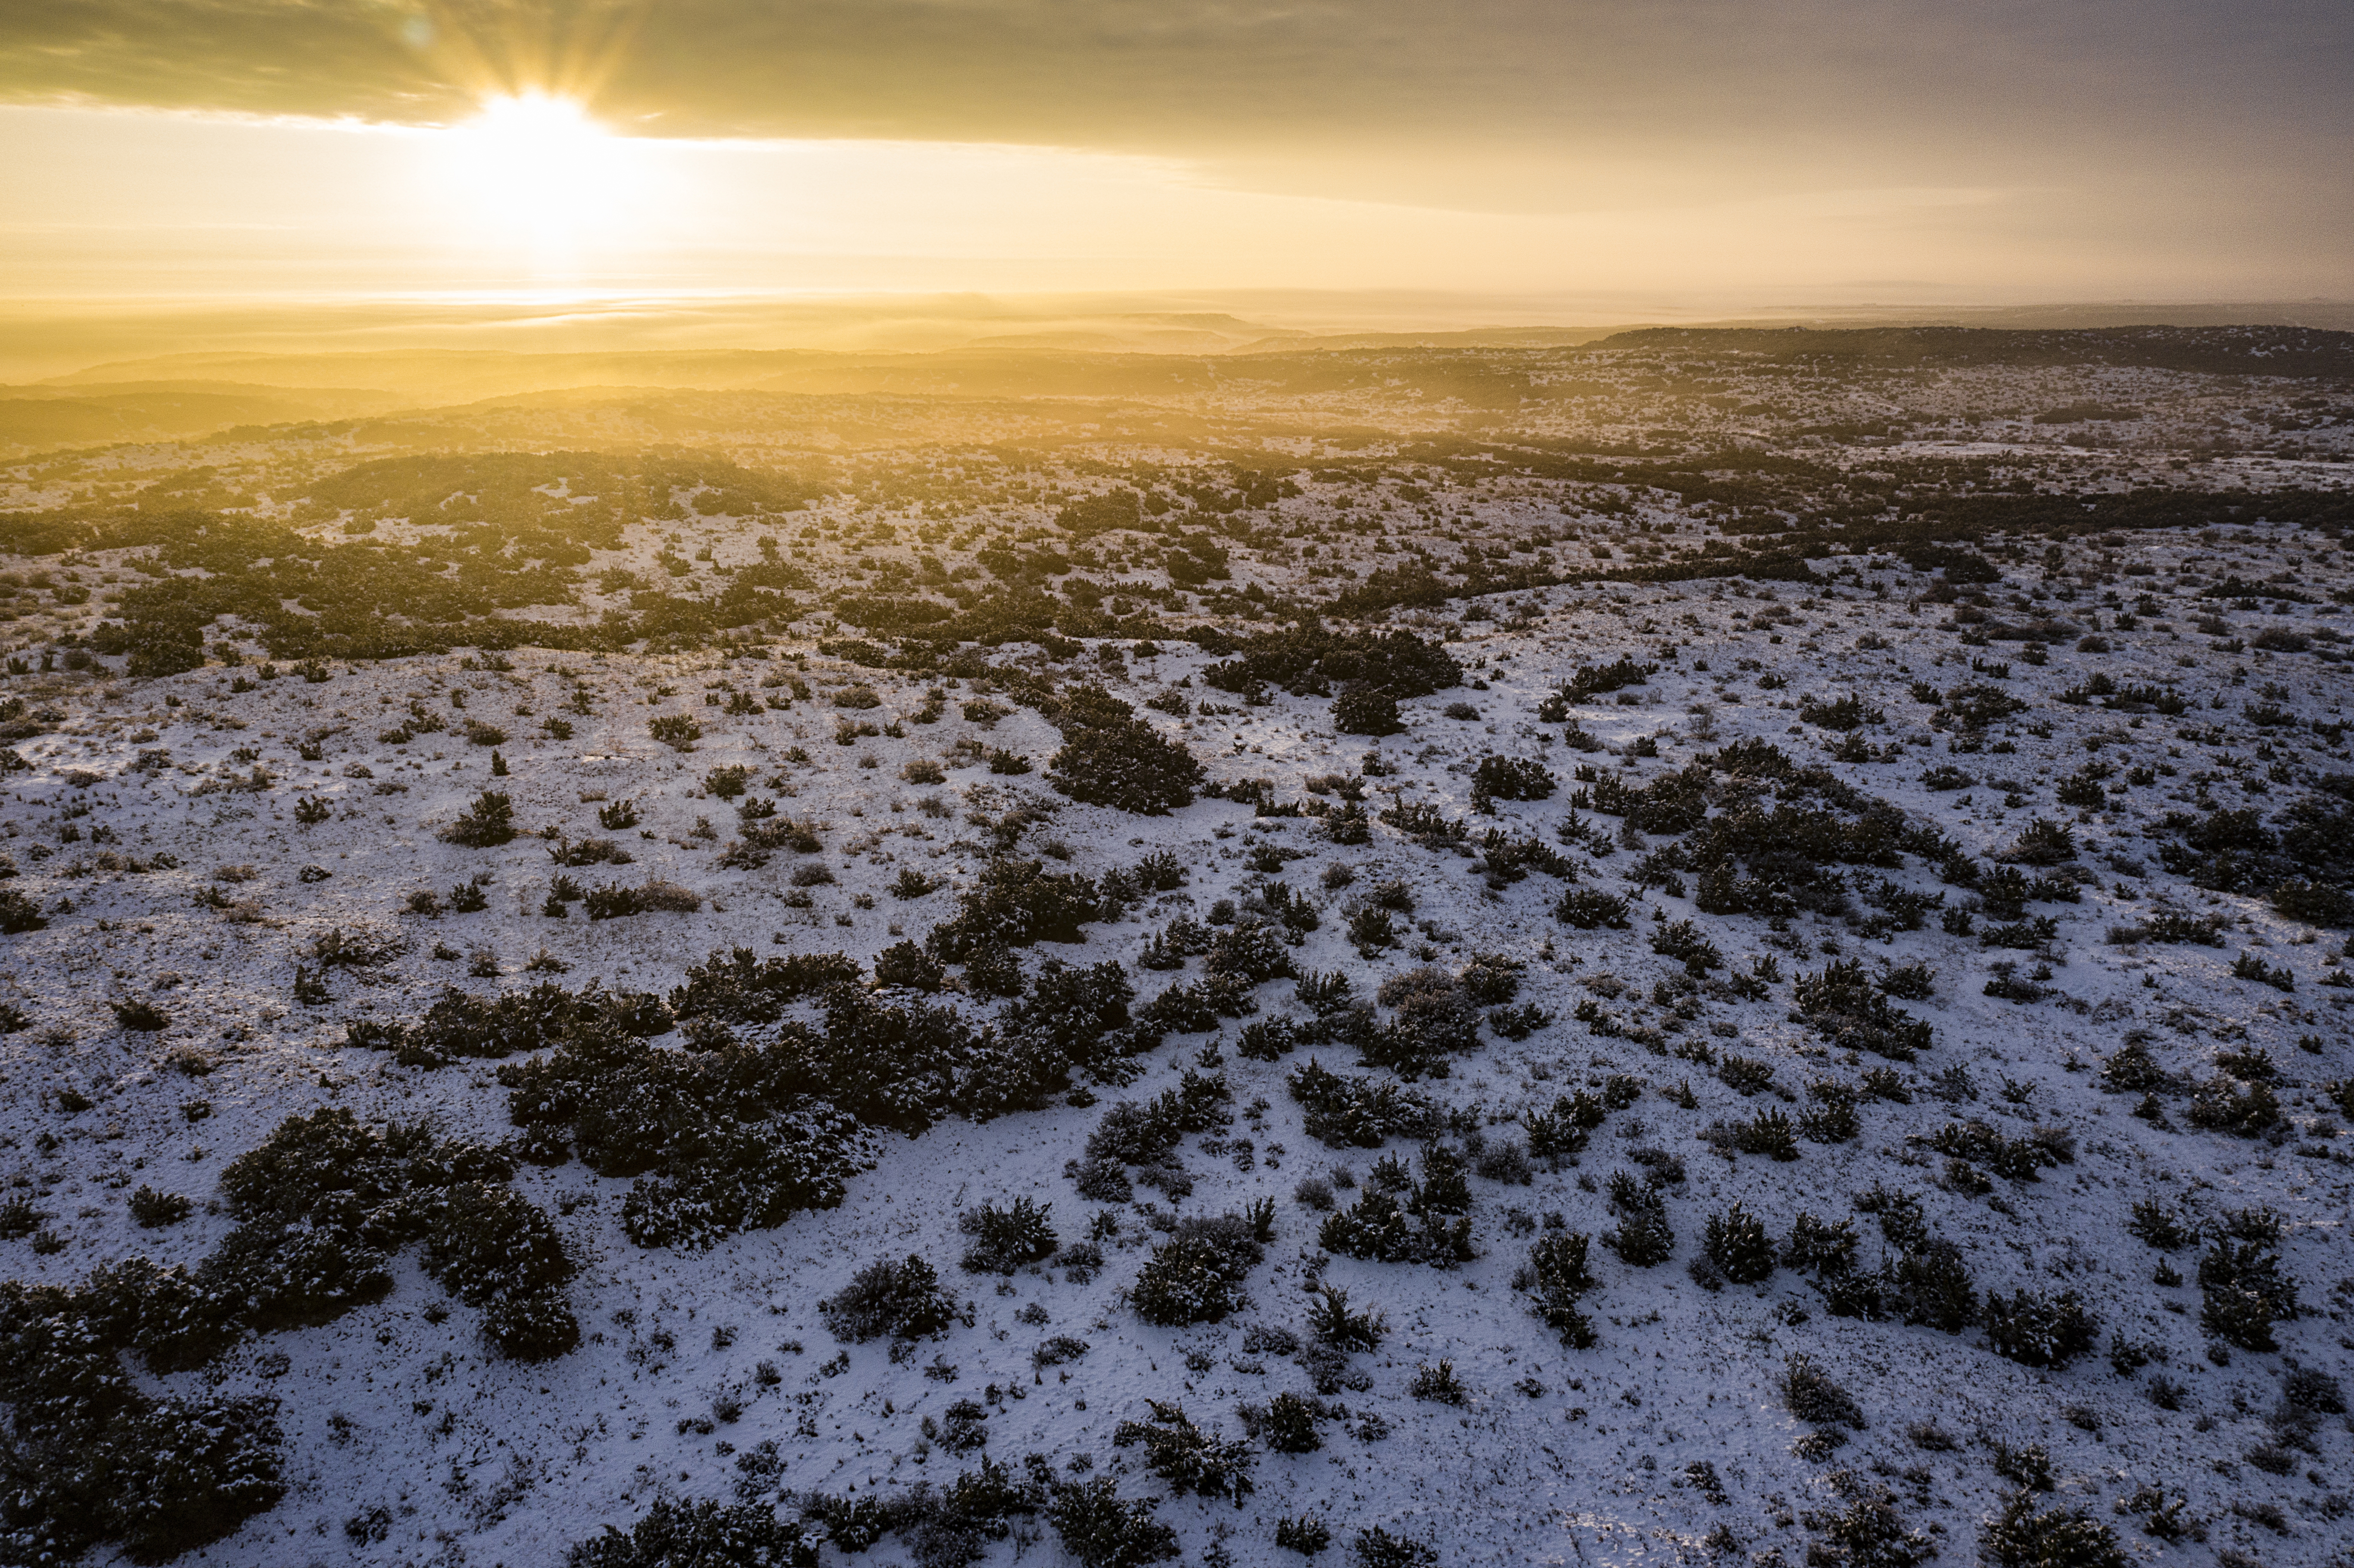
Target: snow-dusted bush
[
  {"x": 486, "y": 825},
  {"x": 674, "y": 1532},
  {"x": 1016, "y": 903},
  {"x": 1643, "y": 1236},
  {"x": 1366, "y": 710},
  {"x": 1814, "y": 1397},
  {"x": 1511, "y": 779},
  {"x": 1736, "y": 1242},
  {"x": 1334, "y": 1325},
  {"x": 742, "y": 987},
  {"x": 1358, "y": 1112},
  {"x": 2243, "y": 1294},
  {"x": 1005, "y": 1239},
  {"x": 1558, "y": 1274},
  {"x": 1287, "y": 1423},
  {"x": 1377, "y": 1548},
  {"x": 1590, "y": 908},
  {"x": 1190, "y": 1459},
  {"x": 1109, "y": 757},
  {"x": 2021, "y": 1537},
  {"x": 1842, "y": 1005},
  {"x": 1103, "y": 1530},
  {"x": 902, "y": 1301},
  {"x": 2040, "y": 1330},
  {"x": 1196, "y": 1276}
]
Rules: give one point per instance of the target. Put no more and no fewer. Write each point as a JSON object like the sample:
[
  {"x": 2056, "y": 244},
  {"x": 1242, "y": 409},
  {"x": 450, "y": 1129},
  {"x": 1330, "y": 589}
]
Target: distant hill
[{"x": 2215, "y": 350}]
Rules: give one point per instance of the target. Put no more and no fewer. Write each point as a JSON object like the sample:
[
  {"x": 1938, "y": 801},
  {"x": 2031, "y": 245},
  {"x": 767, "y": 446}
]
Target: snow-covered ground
[{"x": 155, "y": 826}]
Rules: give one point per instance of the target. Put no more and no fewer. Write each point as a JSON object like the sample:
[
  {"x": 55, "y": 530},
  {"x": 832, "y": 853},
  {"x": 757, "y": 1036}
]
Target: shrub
[
  {"x": 1359, "y": 1112},
  {"x": 675, "y": 1533},
  {"x": 901, "y": 1300},
  {"x": 1814, "y": 1397},
  {"x": 1124, "y": 765},
  {"x": 1366, "y": 710},
  {"x": 2219, "y": 1105},
  {"x": 19, "y": 914},
  {"x": 486, "y": 825},
  {"x": 154, "y": 1210},
  {"x": 1305, "y": 1534},
  {"x": 1103, "y": 1532},
  {"x": 1377, "y": 1548},
  {"x": 1287, "y": 1423},
  {"x": 1821, "y": 1246},
  {"x": 1332, "y": 1324},
  {"x": 1015, "y": 903},
  {"x": 1196, "y": 1276},
  {"x": 2038, "y": 1331},
  {"x": 1590, "y": 908},
  {"x": 1868, "y": 1533},
  {"x": 1840, "y": 1004},
  {"x": 1005, "y": 1239},
  {"x": 2314, "y": 903},
  {"x": 907, "y": 965},
  {"x": 677, "y": 731},
  {"x": 1511, "y": 779},
  {"x": 1737, "y": 1243},
  {"x": 2042, "y": 843},
  {"x": 1643, "y": 1236},
  {"x": 2019, "y": 1537},
  {"x": 1438, "y": 1385},
  {"x": 2243, "y": 1294},
  {"x": 138, "y": 1015},
  {"x": 1188, "y": 1458}
]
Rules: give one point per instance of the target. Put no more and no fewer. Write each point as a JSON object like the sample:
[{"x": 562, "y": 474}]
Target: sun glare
[{"x": 537, "y": 168}]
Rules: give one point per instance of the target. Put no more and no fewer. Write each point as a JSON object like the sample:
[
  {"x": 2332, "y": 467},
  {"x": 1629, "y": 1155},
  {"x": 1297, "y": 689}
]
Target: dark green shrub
[
  {"x": 1124, "y": 765},
  {"x": 20, "y": 915},
  {"x": 2038, "y": 1331},
  {"x": 486, "y": 825},
  {"x": 2221, "y": 1105},
  {"x": 1015, "y": 904},
  {"x": 2019, "y": 1537},
  {"x": 140, "y": 1015},
  {"x": 1366, "y": 710},
  {"x": 677, "y": 1534},
  {"x": 1511, "y": 779},
  {"x": 2242, "y": 1293},
  {"x": 1305, "y": 1534},
  {"x": 1288, "y": 1424},
  {"x": 1867, "y": 1532},
  {"x": 154, "y": 1210},
  {"x": 1590, "y": 908},
  {"x": 1188, "y": 1458},
  {"x": 1820, "y": 1247},
  {"x": 1005, "y": 1239},
  {"x": 1735, "y": 1240},
  {"x": 1358, "y": 1112},
  {"x": 1841, "y": 1004},
  {"x": 1377, "y": 1548},
  {"x": 1930, "y": 1286},
  {"x": 2042, "y": 843},
  {"x": 1643, "y": 1236},
  {"x": 1331, "y": 1322},
  {"x": 1102, "y": 1530},
  {"x": 1814, "y": 1397},
  {"x": 1196, "y": 1276},
  {"x": 906, "y": 964},
  {"x": 902, "y": 1301}
]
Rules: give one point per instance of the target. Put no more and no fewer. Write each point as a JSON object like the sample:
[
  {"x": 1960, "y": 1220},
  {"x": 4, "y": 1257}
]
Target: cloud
[{"x": 1534, "y": 104}]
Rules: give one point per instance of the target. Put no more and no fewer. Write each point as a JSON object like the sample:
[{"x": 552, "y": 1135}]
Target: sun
[{"x": 537, "y": 169}]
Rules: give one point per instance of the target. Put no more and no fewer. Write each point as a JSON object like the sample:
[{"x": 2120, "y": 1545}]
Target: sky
[{"x": 1696, "y": 153}]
